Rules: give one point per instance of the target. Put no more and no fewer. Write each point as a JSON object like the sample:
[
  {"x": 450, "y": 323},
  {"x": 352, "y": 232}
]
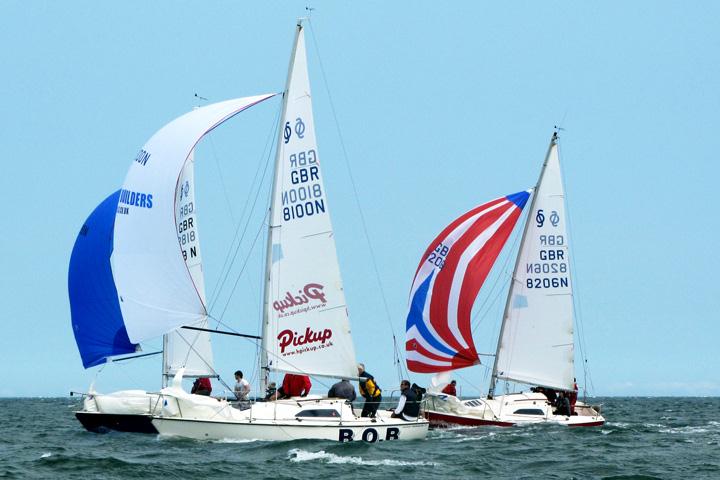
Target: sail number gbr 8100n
[{"x": 304, "y": 197}]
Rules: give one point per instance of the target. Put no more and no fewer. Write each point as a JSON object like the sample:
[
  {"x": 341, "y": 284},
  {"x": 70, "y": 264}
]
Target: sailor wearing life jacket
[{"x": 408, "y": 407}]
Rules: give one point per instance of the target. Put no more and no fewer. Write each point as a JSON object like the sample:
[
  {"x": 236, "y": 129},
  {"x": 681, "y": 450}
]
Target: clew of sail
[
  {"x": 189, "y": 349},
  {"x": 447, "y": 281},
  {"x": 306, "y": 327},
  {"x": 156, "y": 290},
  {"x": 96, "y": 318},
  {"x": 536, "y": 344}
]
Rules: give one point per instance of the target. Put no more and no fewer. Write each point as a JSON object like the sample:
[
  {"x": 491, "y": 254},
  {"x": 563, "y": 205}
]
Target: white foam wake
[{"x": 298, "y": 455}]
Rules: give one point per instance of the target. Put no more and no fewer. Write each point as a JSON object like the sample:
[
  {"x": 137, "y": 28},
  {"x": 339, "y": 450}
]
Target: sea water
[{"x": 643, "y": 438}]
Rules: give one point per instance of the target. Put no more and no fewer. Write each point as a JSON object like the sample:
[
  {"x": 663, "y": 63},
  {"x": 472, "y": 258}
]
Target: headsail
[
  {"x": 156, "y": 290},
  {"x": 536, "y": 343},
  {"x": 447, "y": 281},
  {"x": 306, "y": 327},
  {"x": 189, "y": 349},
  {"x": 96, "y": 319}
]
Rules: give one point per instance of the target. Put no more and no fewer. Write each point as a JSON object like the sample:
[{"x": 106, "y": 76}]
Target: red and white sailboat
[{"x": 536, "y": 341}]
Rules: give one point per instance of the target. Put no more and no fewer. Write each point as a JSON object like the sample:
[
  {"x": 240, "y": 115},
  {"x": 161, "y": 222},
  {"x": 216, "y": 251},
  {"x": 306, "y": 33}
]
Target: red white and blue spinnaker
[{"x": 447, "y": 281}]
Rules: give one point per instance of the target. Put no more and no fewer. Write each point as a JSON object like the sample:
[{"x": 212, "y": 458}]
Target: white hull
[
  {"x": 204, "y": 418},
  {"x": 125, "y": 411},
  {"x": 505, "y": 411},
  {"x": 124, "y": 402}
]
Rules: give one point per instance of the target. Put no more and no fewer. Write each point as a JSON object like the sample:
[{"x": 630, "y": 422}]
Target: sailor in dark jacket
[
  {"x": 408, "y": 407},
  {"x": 343, "y": 389}
]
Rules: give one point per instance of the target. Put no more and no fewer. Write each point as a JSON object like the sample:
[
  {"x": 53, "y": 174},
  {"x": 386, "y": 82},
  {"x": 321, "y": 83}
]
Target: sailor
[
  {"x": 242, "y": 386},
  {"x": 573, "y": 396},
  {"x": 562, "y": 404},
  {"x": 408, "y": 407},
  {"x": 450, "y": 388},
  {"x": 294, "y": 386},
  {"x": 343, "y": 389},
  {"x": 370, "y": 391},
  {"x": 270, "y": 391},
  {"x": 201, "y": 386}
]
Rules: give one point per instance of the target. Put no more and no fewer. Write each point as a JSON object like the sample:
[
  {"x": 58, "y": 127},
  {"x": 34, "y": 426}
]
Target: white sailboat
[
  {"x": 305, "y": 327},
  {"x": 130, "y": 410},
  {"x": 536, "y": 341}
]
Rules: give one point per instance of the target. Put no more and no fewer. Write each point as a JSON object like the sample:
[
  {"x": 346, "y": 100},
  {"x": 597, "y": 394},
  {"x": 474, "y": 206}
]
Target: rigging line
[
  {"x": 293, "y": 366},
  {"x": 467, "y": 381},
  {"x": 242, "y": 269},
  {"x": 133, "y": 357},
  {"x": 222, "y": 332},
  {"x": 207, "y": 364},
  {"x": 577, "y": 306},
  {"x": 354, "y": 188},
  {"x": 267, "y": 152},
  {"x": 505, "y": 265},
  {"x": 491, "y": 293},
  {"x": 222, "y": 178}
]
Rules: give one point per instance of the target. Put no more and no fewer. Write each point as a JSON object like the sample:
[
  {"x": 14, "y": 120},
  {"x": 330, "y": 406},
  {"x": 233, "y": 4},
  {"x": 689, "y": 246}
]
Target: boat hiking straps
[{"x": 223, "y": 332}]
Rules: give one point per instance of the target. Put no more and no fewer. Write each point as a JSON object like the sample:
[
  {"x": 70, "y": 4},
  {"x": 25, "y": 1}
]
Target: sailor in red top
[
  {"x": 202, "y": 386},
  {"x": 450, "y": 388},
  {"x": 572, "y": 396},
  {"x": 294, "y": 386}
]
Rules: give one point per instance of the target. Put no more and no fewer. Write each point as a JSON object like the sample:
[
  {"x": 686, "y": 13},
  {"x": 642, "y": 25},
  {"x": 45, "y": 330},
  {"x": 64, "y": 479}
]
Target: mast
[
  {"x": 165, "y": 373},
  {"x": 264, "y": 365},
  {"x": 493, "y": 378}
]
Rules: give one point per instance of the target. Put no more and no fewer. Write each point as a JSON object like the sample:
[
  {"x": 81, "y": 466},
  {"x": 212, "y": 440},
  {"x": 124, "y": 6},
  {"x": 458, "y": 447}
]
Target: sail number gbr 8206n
[{"x": 550, "y": 270}]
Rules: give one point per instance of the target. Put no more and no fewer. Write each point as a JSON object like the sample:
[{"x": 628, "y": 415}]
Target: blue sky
[{"x": 441, "y": 107}]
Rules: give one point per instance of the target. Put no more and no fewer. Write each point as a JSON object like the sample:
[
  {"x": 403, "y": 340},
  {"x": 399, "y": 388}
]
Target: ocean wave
[
  {"x": 473, "y": 438},
  {"x": 685, "y": 430},
  {"x": 236, "y": 440},
  {"x": 298, "y": 455}
]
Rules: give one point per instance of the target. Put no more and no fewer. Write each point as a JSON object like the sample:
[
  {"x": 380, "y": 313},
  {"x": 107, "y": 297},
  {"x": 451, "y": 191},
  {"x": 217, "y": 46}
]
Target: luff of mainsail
[
  {"x": 305, "y": 321},
  {"x": 536, "y": 342},
  {"x": 156, "y": 290},
  {"x": 189, "y": 349}
]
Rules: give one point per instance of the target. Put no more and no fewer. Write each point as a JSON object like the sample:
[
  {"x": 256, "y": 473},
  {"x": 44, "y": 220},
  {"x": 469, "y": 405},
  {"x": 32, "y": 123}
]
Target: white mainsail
[
  {"x": 306, "y": 328},
  {"x": 156, "y": 290},
  {"x": 536, "y": 344},
  {"x": 189, "y": 349}
]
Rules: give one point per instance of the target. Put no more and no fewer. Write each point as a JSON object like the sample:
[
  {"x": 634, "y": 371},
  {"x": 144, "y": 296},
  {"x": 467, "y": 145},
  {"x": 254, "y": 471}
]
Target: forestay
[
  {"x": 189, "y": 349},
  {"x": 536, "y": 343},
  {"x": 447, "y": 281},
  {"x": 156, "y": 290},
  {"x": 96, "y": 318},
  {"x": 307, "y": 328}
]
